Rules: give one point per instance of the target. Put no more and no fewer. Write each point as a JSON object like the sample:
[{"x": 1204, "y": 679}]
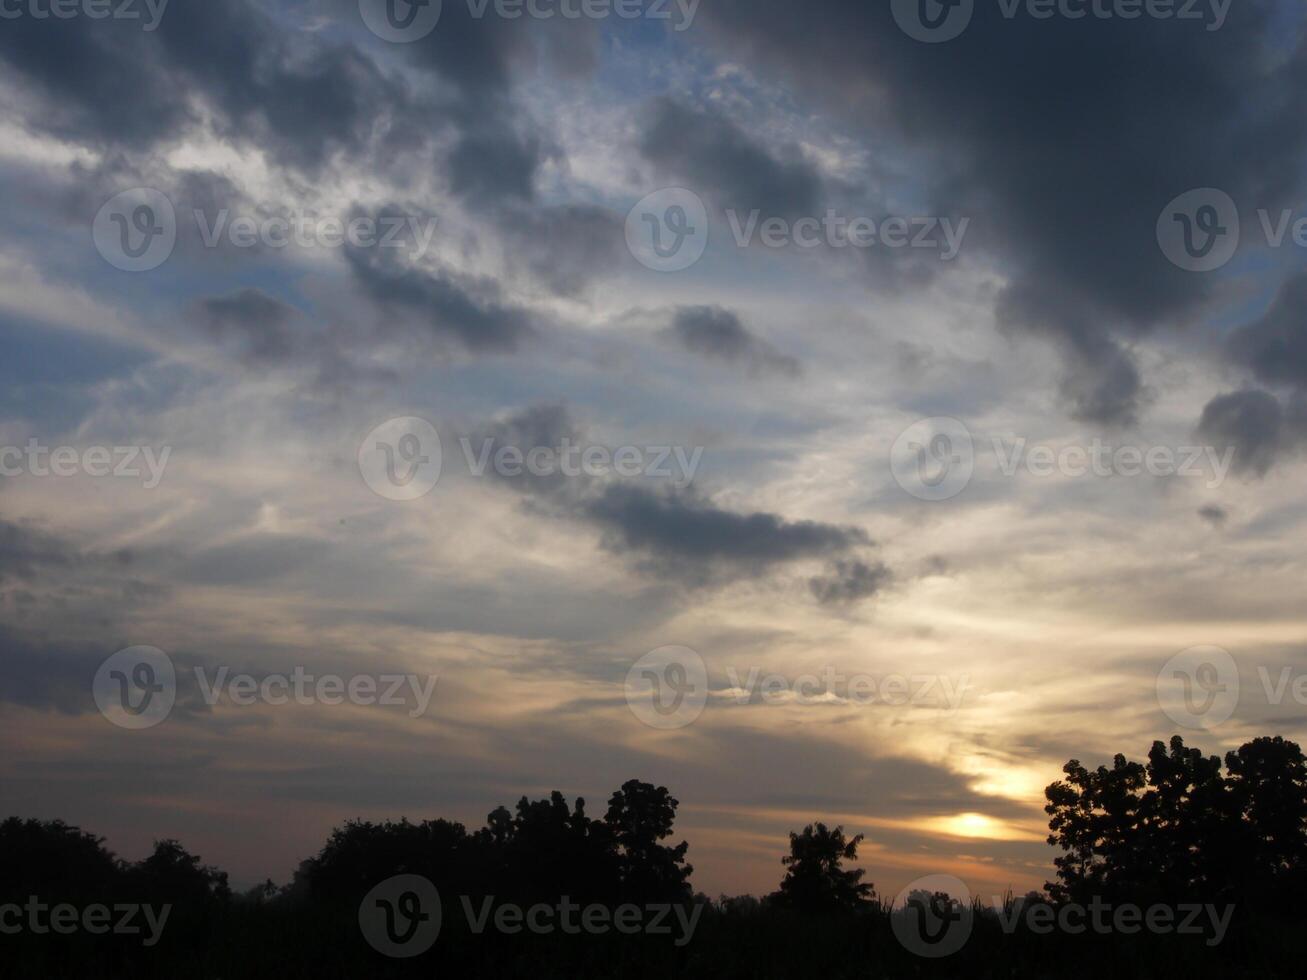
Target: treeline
[{"x": 1181, "y": 830}]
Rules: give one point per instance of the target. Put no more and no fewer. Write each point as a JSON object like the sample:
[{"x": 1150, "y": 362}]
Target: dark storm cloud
[
  {"x": 464, "y": 311},
  {"x": 492, "y": 163},
  {"x": 849, "y": 581},
  {"x": 266, "y": 335},
  {"x": 668, "y": 531},
  {"x": 25, "y": 551},
  {"x": 497, "y": 152},
  {"x": 682, "y": 534},
  {"x": 1064, "y": 139},
  {"x": 1255, "y": 425},
  {"x": 1275, "y": 347},
  {"x": 39, "y": 675},
  {"x": 565, "y": 247},
  {"x": 257, "y": 326},
  {"x": 282, "y": 90},
  {"x": 716, "y": 157},
  {"x": 718, "y": 333}
]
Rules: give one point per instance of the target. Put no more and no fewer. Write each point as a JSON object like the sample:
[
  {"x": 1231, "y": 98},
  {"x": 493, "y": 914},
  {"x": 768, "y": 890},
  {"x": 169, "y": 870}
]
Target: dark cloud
[
  {"x": 565, "y": 247},
  {"x": 668, "y": 531},
  {"x": 539, "y": 425},
  {"x": 264, "y": 334},
  {"x": 464, "y": 311},
  {"x": 41, "y": 675},
  {"x": 718, "y": 333},
  {"x": 1064, "y": 139},
  {"x": 849, "y": 581},
  {"x": 283, "y": 91},
  {"x": 1251, "y": 422},
  {"x": 260, "y": 558},
  {"x": 497, "y": 151},
  {"x": 1262, "y": 425},
  {"x": 257, "y": 326},
  {"x": 1214, "y": 515},
  {"x": 681, "y": 534},
  {"x": 26, "y": 550},
  {"x": 716, "y": 157},
  {"x": 1275, "y": 347},
  {"x": 494, "y": 163}
]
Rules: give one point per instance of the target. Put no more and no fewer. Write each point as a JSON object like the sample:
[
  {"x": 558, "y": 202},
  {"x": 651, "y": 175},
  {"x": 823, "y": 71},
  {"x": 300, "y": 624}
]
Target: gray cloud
[
  {"x": 565, "y": 247},
  {"x": 849, "y": 581},
  {"x": 682, "y": 535},
  {"x": 464, "y": 311},
  {"x": 1064, "y": 164},
  {"x": 1214, "y": 515},
  {"x": 257, "y": 326},
  {"x": 670, "y": 532},
  {"x": 718, "y": 333},
  {"x": 26, "y": 550},
  {"x": 299, "y": 99},
  {"x": 720, "y": 159},
  {"x": 1253, "y": 423},
  {"x": 1275, "y": 347}
]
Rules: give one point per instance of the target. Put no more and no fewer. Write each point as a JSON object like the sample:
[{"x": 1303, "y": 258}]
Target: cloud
[
  {"x": 1063, "y": 162},
  {"x": 716, "y": 332},
  {"x": 465, "y": 311},
  {"x": 849, "y": 581},
  {"x": 1254, "y": 424},
  {"x": 1275, "y": 347},
  {"x": 683, "y": 535},
  {"x": 264, "y": 86},
  {"x": 254, "y": 324},
  {"x": 668, "y": 531},
  {"x": 26, "y": 550},
  {"x": 1214, "y": 515},
  {"x": 720, "y": 159},
  {"x": 566, "y": 246}
]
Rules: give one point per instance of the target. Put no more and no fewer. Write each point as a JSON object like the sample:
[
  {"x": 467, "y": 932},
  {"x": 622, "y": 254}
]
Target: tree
[
  {"x": 547, "y": 850},
  {"x": 55, "y": 861},
  {"x": 816, "y": 881},
  {"x": 1268, "y": 797},
  {"x": 639, "y": 816},
  {"x": 1178, "y": 830}
]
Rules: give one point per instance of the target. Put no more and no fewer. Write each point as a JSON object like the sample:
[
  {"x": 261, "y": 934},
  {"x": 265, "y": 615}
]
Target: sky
[{"x": 842, "y": 411}]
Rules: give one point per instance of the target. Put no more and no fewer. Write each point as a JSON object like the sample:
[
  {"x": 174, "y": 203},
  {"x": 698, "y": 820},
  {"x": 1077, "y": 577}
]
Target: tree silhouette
[
  {"x": 1179, "y": 830},
  {"x": 816, "y": 881},
  {"x": 54, "y": 860},
  {"x": 639, "y": 816}
]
